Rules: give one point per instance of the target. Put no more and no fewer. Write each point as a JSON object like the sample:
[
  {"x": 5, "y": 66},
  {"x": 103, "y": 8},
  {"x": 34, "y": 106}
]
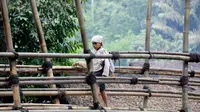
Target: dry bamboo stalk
[
  {"x": 81, "y": 71},
  {"x": 86, "y": 49},
  {"x": 42, "y": 40},
  {"x": 83, "y": 81},
  {"x": 9, "y": 45},
  {"x": 107, "y": 89},
  {"x": 107, "y": 110},
  {"x": 73, "y": 106},
  {"x": 37, "y": 104},
  {"x": 78, "y": 93},
  {"x": 98, "y": 81},
  {"x": 185, "y": 50},
  {"x": 154, "y": 52},
  {"x": 100, "y": 78},
  {"x": 67, "y": 55},
  {"x": 147, "y": 44},
  {"x": 70, "y": 69},
  {"x": 83, "y": 78},
  {"x": 35, "y": 70},
  {"x": 62, "y": 107}
]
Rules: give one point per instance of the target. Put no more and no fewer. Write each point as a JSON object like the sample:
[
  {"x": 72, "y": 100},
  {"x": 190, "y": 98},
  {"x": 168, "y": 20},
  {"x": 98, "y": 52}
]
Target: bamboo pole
[
  {"x": 38, "y": 104},
  {"x": 42, "y": 40},
  {"x": 125, "y": 81},
  {"x": 63, "y": 106},
  {"x": 86, "y": 49},
  {"x": 101, "y": 78},
  {"x": 71, "y": 69},
  {"x": 73, "y": 106},
  {"x": 67, "y": 108},
  {"x": 71, "y": 110},
  {"x": 60, "y": 110},
  {"x": 39, "y": 109},
  {"x": 185, "y": 50},
  {"x": 107, "y": 89},
  {"x": 30, "y": 106},
  {"x": 83, "y": 81},
  {"x": 110, "y": 93},
  {"x": 147, "y": 43},
  {"x": 70, "y": 55},
  {"x": 9, "y": 44},
  {"x": 154, "y": 52}
]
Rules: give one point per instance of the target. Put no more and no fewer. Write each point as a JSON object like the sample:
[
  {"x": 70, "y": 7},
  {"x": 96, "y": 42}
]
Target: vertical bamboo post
[
  {"x": 185, "y": 50},
  {"x": 86, "y": 47},
  {"x": 147, "y": 43},
  {"x": 9, "y": 45},
  {"x": 42, "y": 40}
]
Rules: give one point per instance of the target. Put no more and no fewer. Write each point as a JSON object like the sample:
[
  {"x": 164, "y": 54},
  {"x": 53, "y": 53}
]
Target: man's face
[{"x": 96, "y": 45}]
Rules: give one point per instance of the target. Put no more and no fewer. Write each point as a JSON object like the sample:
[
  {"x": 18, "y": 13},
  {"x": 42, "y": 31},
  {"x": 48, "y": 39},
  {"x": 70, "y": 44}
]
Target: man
[{"x": 100, "y": 66}]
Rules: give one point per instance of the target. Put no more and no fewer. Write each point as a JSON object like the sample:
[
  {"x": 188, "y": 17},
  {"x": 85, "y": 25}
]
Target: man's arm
[{"x": 106, "y": 68}]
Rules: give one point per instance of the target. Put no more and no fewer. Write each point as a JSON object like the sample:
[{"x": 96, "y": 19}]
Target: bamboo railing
[
  {"x": 67, "y": 55},
  {"x": 12, "y": 69},
  {"x": 4, "y": 68}
]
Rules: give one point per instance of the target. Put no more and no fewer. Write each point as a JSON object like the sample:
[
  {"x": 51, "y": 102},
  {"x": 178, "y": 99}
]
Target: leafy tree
[
  {"x": 116, "y": 20},
  {"x": 59, "y": 23}
]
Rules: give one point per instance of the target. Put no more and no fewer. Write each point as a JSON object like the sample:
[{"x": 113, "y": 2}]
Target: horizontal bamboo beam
[
  {"x": 107, "y": 89},
  {"x": 38, "y": 104},
  {"x": 61, "y": 109},
  {"x": 78, "y": 93},
  {"x": 69, "y": 69},
  {"x": 68, "y": 78},
  {"x": 76, "y": 107},
  {"x": 81, "y": 79},
  {"x": 33, "y": 106},
  {"x": 102, "y": 78},
  {"x": 5, "y": 70},
  {"x": 125, "y": 81},
  {"x": 66, "y": 55},
  {"x": 153, "y": 52},
  {"x": 38, "y": 109}
]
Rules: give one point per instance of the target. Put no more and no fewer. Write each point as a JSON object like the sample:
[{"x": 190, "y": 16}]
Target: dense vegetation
[
  {"x": 123, "y": 22},
  {"x": 60, "y": 27},
  {"x": 59, "y": 23}
]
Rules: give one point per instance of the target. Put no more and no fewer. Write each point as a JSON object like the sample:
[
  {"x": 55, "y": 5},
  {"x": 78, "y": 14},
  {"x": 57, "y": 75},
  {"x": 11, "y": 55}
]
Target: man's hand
[
  {"x": 80, "y": 64},
  {"x": 113, "y": 75}
]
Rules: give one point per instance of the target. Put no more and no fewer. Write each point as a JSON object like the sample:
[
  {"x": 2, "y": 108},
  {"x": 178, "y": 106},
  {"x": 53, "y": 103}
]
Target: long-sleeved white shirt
[{"x": 97, "y": 63}]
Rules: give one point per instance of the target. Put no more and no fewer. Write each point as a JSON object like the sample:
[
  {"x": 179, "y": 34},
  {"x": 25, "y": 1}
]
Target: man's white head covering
[{"x": 97, "y": 38}]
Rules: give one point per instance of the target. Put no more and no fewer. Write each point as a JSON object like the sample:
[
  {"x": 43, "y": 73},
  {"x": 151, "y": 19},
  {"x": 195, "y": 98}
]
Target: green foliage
[
  {"x": 122, "y": 23},
  {"x": 108, "y": 16},
  {"x": 59, "y": 24}
]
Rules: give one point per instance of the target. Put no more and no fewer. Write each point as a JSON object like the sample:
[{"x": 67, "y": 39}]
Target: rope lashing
[
  {"x": 16, "y": 56},
  {"x": 134, "y": 80},
  {"x": 46, "y": 66},
  {"x": 183, "y": 80},
  {"x": 148, "y": 90},
  {"x": 146, "y": 67}
]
